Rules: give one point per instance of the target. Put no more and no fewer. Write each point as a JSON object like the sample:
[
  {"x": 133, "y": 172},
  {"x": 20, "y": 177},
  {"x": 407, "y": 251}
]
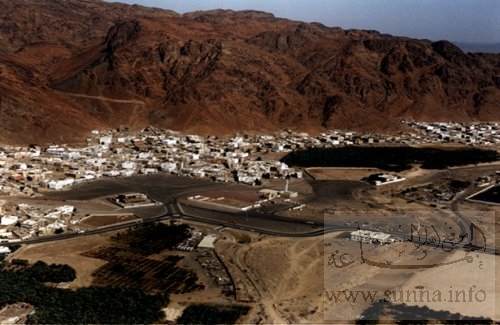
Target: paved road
[
  {"x": 166, "y": 189},
  {"x": 297, "y": 228}
]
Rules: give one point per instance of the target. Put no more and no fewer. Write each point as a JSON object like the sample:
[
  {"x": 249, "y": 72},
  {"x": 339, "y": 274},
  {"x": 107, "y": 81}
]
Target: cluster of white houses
[
  {"x": 480, "y": 133},
  {"x": 27, "y": 170},
  {"x": 23, "y": 221},
  {"x": 116, "y": 153},
  {"x": 24, "y": 170}
]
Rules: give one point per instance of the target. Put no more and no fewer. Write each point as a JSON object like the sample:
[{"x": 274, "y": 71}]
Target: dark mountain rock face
[{"x": 69, "y": 66}]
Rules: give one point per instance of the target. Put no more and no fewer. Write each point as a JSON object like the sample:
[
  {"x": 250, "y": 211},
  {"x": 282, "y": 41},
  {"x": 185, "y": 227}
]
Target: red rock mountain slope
[{"x": 67, "y": 66}]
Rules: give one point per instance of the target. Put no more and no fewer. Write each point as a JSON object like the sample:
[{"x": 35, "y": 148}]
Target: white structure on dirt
[
  {"x": 207, "y": 242},
  {"x": 367, "y": 236}
]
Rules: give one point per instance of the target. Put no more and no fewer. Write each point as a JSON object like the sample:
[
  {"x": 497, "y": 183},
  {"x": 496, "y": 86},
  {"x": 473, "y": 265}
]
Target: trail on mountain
[{"x": 114, "y": 100}]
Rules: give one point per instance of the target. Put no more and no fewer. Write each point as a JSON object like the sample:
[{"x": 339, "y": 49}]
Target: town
[{"x": 30, "y": 171}]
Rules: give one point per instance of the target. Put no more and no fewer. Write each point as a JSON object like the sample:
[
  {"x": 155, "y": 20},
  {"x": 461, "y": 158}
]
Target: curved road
[{"x": 166, "y": 189}]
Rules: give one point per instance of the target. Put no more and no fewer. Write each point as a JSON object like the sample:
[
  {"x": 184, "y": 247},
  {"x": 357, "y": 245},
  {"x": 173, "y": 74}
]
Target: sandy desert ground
[
  {"x": 67, "y": 252},
  {"x": 290, "y": 280}
]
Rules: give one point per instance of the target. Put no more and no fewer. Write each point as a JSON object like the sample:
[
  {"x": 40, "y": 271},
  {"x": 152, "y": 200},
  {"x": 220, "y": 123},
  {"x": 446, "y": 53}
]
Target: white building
[
  {"x": 66, "y": 209},
  {"x": 70, "y": 155},
  {"x": 367, "y": 236},
  {"x": 127, "y": 173},
  {"x": 111, "y": 173},
  {"x": 59, "y": 184},
  {"x": 8, "y": 220},
  {"x": 208, "y": 242},
  {"x": 129, "y": 165},
  {"x": 106, "y": 140},
  {"x": 170, "y": 141},
  {"x": 147, "y": 171},
  {"x": 168, "y": 167},
  {"x": 29, "y": 223},
  {"x": 144, "y": 155}
]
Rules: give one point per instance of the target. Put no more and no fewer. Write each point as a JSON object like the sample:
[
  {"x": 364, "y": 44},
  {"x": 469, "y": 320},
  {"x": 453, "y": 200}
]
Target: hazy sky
[{"x": 455, "y": 20}]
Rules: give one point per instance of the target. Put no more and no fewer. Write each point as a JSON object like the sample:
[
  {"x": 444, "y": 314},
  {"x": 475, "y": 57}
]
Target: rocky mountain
[{"x": 68, "y": 66}]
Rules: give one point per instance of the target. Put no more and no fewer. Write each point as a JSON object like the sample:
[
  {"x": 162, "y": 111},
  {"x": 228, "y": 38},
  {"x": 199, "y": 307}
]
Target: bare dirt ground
[
  {"x": 391, "y": 283},
  {"x": 284, "y": 279},
  {"x": 106, "y": 219},
  {"x": 476, "y": 279},
  {"x": 287, "y": 277},
  {"x": 67, "y": 252},
  {"x": 339, "y": 173},
  {"x": 332, "y": 173},
  {"x": 300, "y": 185},
  {"x": 282, "y": 275}
]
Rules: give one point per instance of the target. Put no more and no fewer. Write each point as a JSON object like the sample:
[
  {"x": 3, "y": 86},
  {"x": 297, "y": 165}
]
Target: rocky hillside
[{"x": 68, "y": 66}]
